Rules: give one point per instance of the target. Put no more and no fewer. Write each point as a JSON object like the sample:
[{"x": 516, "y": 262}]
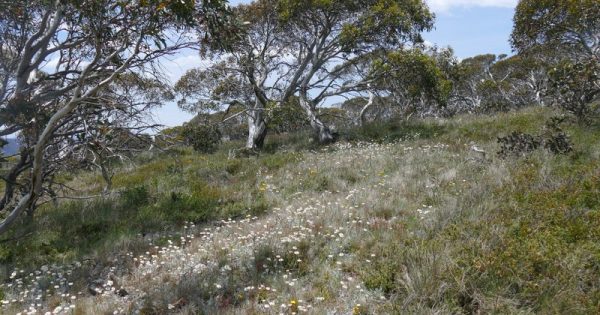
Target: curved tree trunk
[
  {"x": 363, "y": 112},
  {"x": 257, "y": 132},
  {"x": 37, "y": 175},
  {"x": 11, "y": 178},
  {"x": 35, "y": 191},
  {"x": 107, "y": 176},
  {"x": 257, "y": 129},
  {"x": 322, "y": 132}
]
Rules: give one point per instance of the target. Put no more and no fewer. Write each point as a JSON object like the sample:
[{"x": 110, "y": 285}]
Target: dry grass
[{"x": 416, "y": 226}]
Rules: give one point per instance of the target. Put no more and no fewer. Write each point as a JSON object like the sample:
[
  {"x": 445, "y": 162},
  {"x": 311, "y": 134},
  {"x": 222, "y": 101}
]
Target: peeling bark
[
  {"x": 322, "y": 132},
  {"x": 257, "y": 129}
]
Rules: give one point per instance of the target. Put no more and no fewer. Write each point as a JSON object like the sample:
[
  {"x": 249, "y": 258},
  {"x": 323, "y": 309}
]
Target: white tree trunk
[
  {"x": 363, "y": 112},
  {"x": 322, "y": 132},
  {"x": 539, "y": 99},
  {"x": 257, "y": 129},
  {"x": 37, "y": 169}
]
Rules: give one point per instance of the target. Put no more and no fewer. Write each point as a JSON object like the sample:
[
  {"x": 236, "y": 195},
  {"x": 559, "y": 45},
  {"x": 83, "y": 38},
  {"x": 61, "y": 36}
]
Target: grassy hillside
[{"x": 396, "y": 218}]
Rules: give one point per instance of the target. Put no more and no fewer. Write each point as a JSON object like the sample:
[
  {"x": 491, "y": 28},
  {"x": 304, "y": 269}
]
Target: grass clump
[
  {"x": 395, "y": 130},
  {"x": 418, "y": 225},
  {"x": 157, "y": 197}
]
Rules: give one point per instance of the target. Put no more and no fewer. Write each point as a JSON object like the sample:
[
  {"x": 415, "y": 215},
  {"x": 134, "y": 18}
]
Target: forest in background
[{"x": 336, "y": 162}]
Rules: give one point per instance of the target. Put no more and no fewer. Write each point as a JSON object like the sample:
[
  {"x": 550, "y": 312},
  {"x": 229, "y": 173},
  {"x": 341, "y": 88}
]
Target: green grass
[
  {"x": 531, "y": 244},
  {"x": 502, "y": 236},
  {"x": 159, "y": 196},
  {"x": 395, "y": 130}
]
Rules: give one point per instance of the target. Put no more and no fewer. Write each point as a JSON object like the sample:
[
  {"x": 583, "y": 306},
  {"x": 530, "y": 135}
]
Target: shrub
[
  {"x": 199, "y": 206},
  {"x": 518, "y": 143},
  {"x": 552, "y": 138},
  {"x": 135, "y": 197},
  {"x": 202, "y": 138},
  {"x": 556, "y": 140},
  {"x": 575, "y": 86}
]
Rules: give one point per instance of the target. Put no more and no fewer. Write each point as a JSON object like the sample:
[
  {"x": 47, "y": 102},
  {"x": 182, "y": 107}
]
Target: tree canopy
[
  {"x": 75, "y": 73},
  {"x": 314, "y": 50},
  {"x": 572, "y": 24},
  {"x": 566, "y": 33}
]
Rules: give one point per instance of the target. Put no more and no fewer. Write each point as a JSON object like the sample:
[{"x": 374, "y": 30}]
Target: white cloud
[
  {"x": 176, "y": 67},
  {"x": 445, "y": 5}
]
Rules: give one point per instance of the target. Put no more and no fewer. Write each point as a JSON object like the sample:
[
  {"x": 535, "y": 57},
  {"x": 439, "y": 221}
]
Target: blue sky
[
  {"x": 471, "y": 27},
  {"x": 473, "y": 30}
]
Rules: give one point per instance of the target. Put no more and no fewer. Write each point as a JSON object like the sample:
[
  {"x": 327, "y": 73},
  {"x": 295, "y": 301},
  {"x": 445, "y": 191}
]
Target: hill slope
[{"x": 415, "y": 222}]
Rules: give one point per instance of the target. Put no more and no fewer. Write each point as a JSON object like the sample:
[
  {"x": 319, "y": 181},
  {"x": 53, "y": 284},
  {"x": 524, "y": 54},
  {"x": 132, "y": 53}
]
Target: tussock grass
[
  {"x": 412, "y": 222},
  {"x": 156, "y": 198}
]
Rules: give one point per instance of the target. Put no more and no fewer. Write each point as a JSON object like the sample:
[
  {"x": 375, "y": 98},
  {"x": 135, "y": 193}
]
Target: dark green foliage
[
  {"x": 288, "y": 118},
  {"x": 136, "y": 196},
  {"x": 377, "y": 20},
  {"x": 555, "y": 139},
  {"x": 570, "y": 24},
  {"x": 575, "y": 86},
  {"x": 552, "y": 138},
  {"x": 415, "y": 75},
  {"x": 199, "y": 206},
  {"x": 558, "y": 143},
  {"x": 518, "y": 144},
  {"x": 202, "y": 138},
  {"x": 564, "y": 31}
]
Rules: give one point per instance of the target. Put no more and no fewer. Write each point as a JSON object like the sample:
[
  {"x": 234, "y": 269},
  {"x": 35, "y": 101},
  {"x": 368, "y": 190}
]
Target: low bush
[
  {"x": 202, "y": 138},
  {"x": 518, "y": 143},
  {"x": 552, "y": 138}
]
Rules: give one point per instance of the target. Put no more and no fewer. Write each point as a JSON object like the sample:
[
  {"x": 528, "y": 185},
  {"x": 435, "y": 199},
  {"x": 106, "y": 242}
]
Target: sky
[{"x": 470, "y": 27}]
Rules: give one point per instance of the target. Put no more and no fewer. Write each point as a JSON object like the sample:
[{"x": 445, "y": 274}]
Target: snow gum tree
[
  {"x": 569, "y": 31},
  {"x": 571, "y": 24},
  {"x": 312, "y": 51},
  {"x": 251, "y": 73},
  {"x": 64, "y": 67},
  {"x": 416, "y": 80},
  {"x": 328, "y": 42}
]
